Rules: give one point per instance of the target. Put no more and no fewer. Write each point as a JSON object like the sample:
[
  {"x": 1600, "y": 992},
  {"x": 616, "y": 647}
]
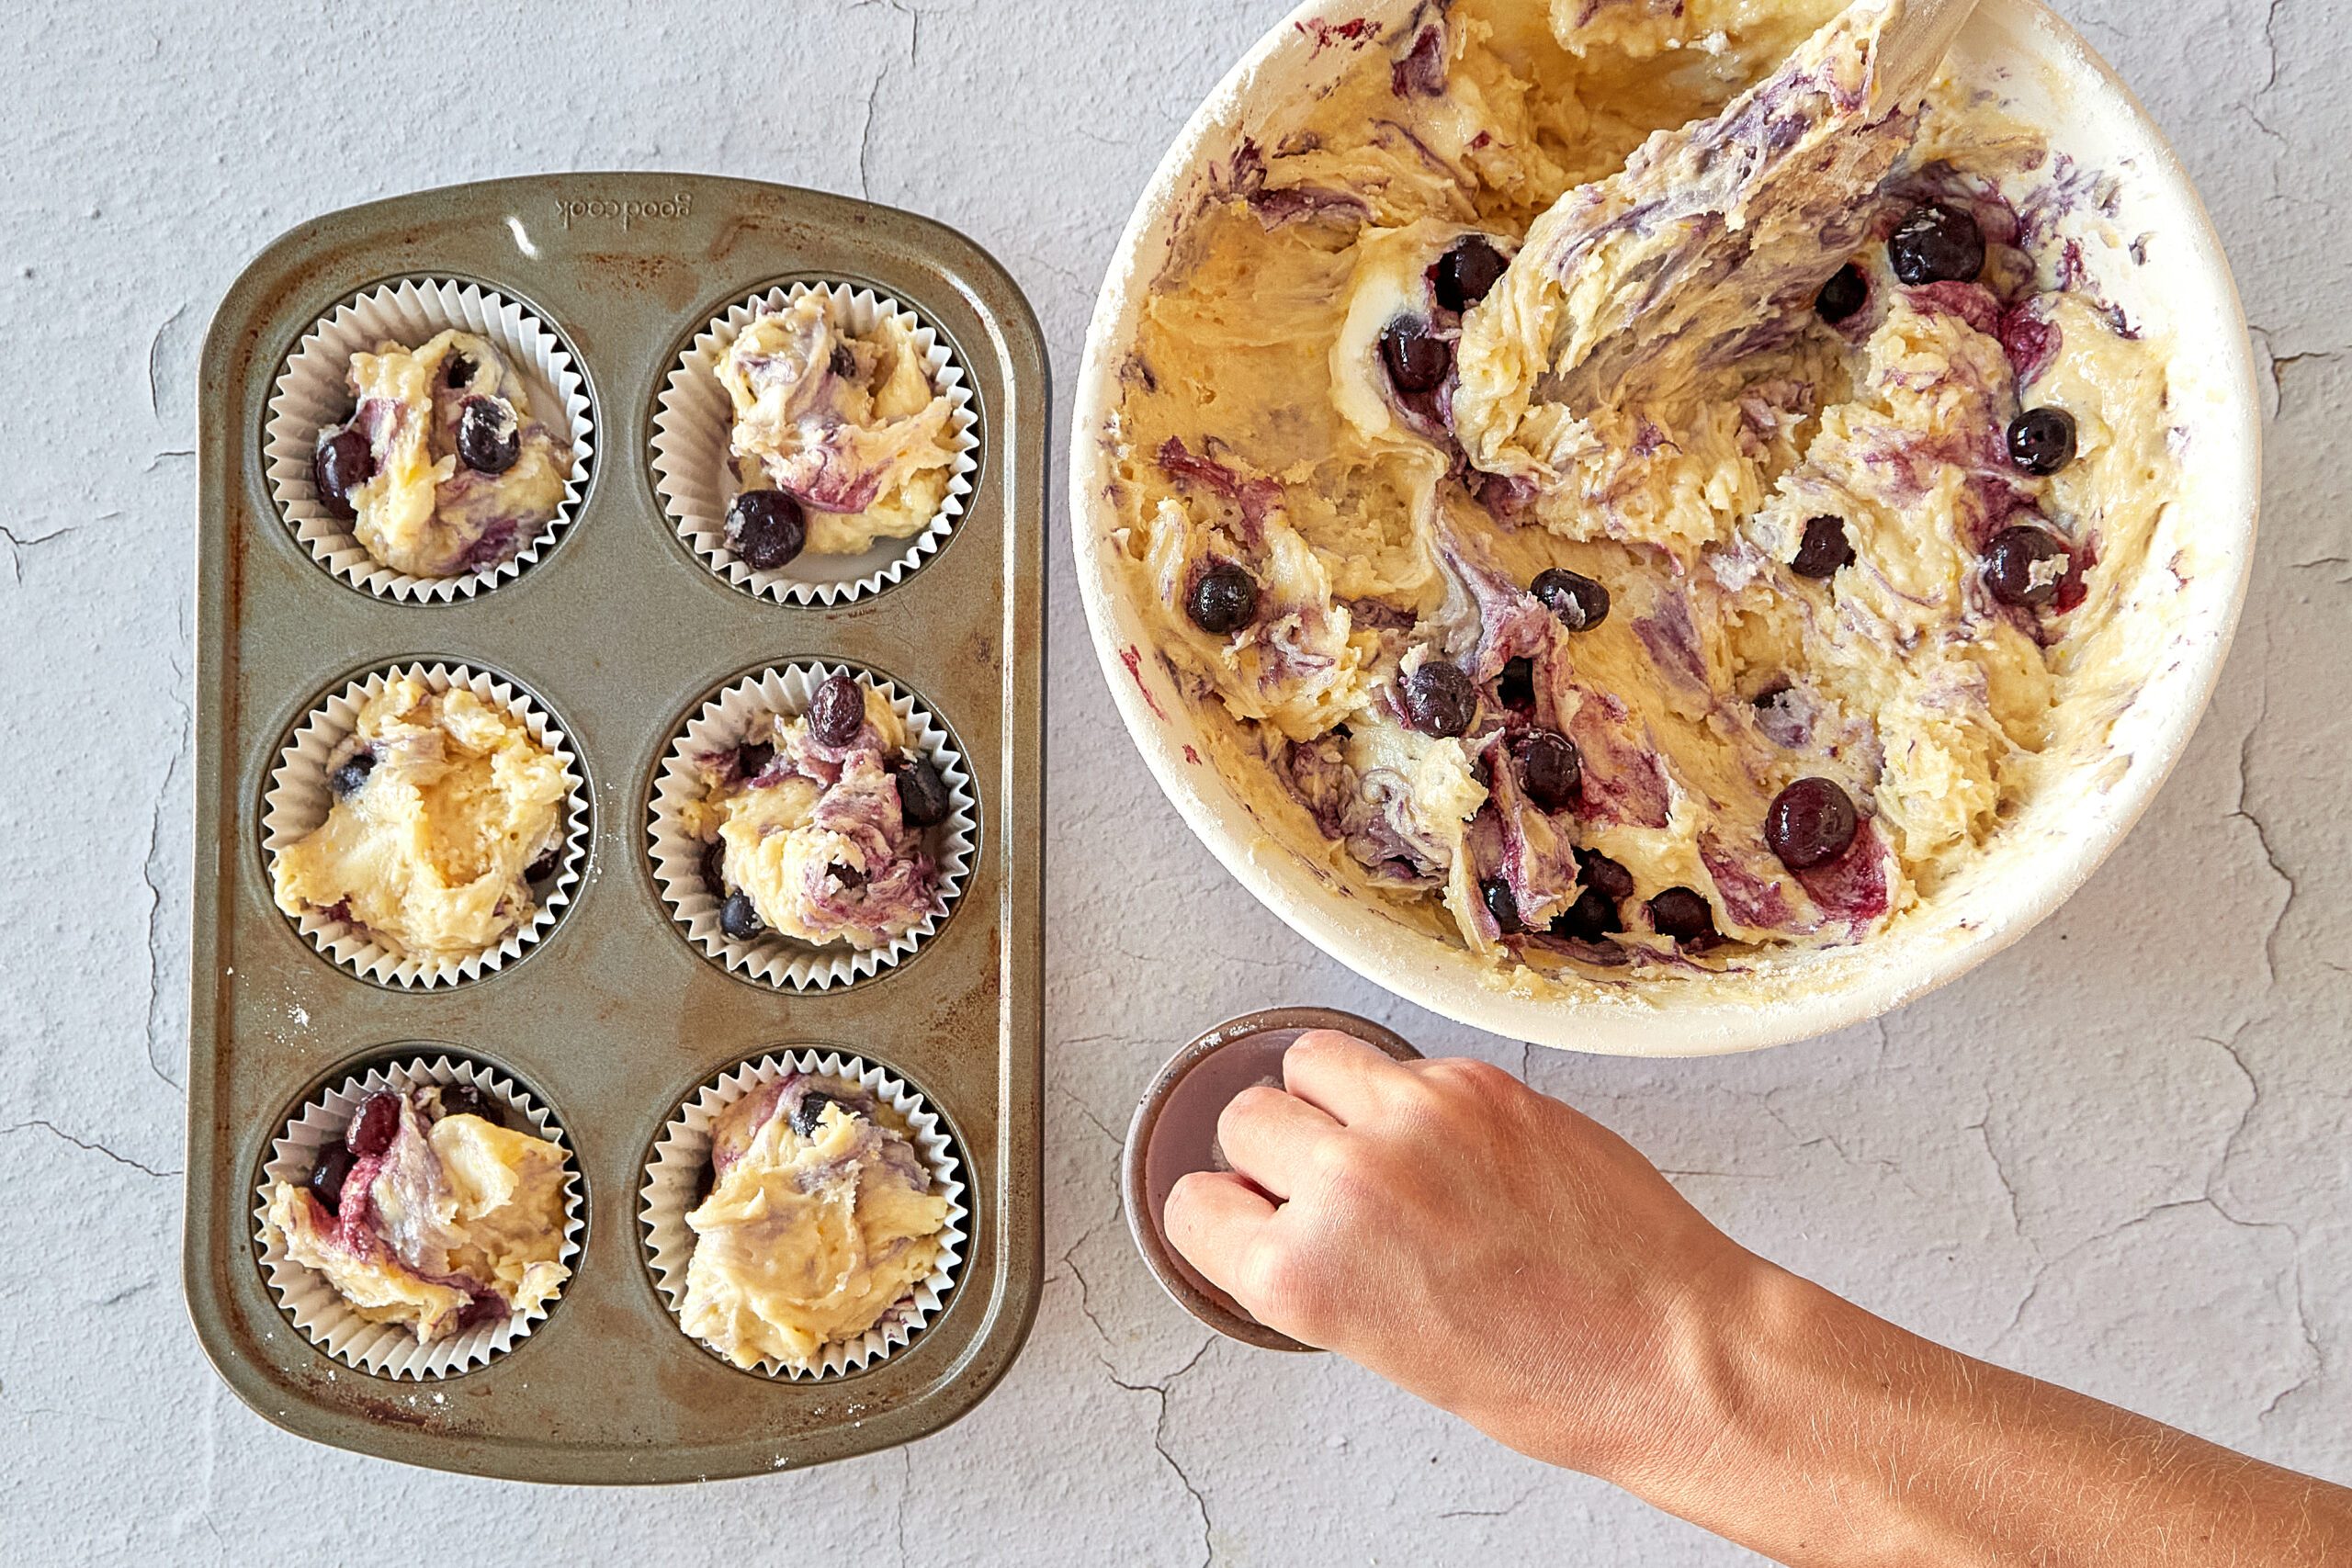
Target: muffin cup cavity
[
  {"x": 300, "y": 797},
  {"x": 720, "y": 725},
  {"x": 390, "y": 1349},
  {"x": 674, "y": 1176},
  {"x": 694, "y": 470},
  {"x": 313, "y": 394}
]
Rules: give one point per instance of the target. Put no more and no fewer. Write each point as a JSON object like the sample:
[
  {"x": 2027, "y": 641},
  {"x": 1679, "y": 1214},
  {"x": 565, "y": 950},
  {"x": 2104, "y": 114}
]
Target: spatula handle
[{"x": 1914, "y": 42}]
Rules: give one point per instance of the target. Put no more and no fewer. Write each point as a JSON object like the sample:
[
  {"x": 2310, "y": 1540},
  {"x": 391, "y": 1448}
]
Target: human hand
[{"x": 1479, "y": 1244}]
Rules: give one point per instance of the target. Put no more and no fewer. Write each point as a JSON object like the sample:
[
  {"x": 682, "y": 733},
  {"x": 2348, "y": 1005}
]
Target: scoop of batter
[
  {"x": 430, "y": 1212},
  {"x": 442, "y": 469},
  {"x": 445, "y": 811},
  {"x": 848, "y": 425},
  {"x": 1647, "y": 563},
  {"x": 819, "y": 824},
  {"x": 821, "y": 1221}
]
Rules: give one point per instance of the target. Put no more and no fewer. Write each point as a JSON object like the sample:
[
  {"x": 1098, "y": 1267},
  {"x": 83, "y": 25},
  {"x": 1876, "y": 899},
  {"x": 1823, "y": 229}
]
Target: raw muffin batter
[
  {"x": 820, "y": 1220},
  {"x": 442, "y": 469},
  {"x": 848, "y": 426},
  {"x": 1638, "y": 563},
  {"x": 430, "y": 1212},
  {"x": 446, "y": 812},
  {"x": 818, "y": 825}
]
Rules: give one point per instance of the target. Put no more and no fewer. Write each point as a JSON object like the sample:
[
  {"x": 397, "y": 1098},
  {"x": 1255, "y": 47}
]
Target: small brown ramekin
[{"x": 1181, "y": 1132}]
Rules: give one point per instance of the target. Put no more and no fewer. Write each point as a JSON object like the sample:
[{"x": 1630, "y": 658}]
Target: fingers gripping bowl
[{"x": 1346, "y": 141}]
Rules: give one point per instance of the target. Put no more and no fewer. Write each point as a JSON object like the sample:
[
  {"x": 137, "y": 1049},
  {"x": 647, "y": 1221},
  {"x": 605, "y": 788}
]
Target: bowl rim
[{"x": 1458, "y": 986}]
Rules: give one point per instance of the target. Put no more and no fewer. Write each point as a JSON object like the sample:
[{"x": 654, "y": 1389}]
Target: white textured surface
[{"x": 2119, "y": 1155}]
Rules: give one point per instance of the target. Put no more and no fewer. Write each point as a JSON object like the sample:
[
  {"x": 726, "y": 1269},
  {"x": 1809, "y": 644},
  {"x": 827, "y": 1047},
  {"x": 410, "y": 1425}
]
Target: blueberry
[
  {"x": 766, "y": 529},
  {"x": 1825, "y": 551},
  {"x": 1417, "y": 359},
  {"x": 458, "y": 370},
  {"x": 375, "y": 1125},
  {"x": 546, "y": 866},
  {"x": 1590, "y": 919},
  {"x": 489, "y": 439},
  {"x": 1550, "y": 770},
  {"x": 849, "y": 876},
  {"x": 739, "y": 919},
  {"x": 2017, "y": 566},
  {"x": 486, "y": 1307},
  {"x": 1935, "y": 243},
  {"x": 1439, "y": 699},
  {"x": 836, "y": 711},
  {"x": 1682, "y": 914},
  {"x": 923, "y": 794},
  {"x": 810, "y": 1114},
  {"x": 467, "y": 1100},
  {"x": 342, "y": 463},
  {"x": 842, "y": 364},
  {"x": 1843, "y": 296},
  {"x": 714, "y": 867},
  {"x": 1224, "y": 598},
  {"x": 752, "y": 758},
  {"x": 1467, "y": 273},
  {"x": 1515, "y": 687},
  {"x": 1604, "y": 876},
  {"x": 1810, "y": 824},
  {"x": 347, "y": 780},
  {"x": 2041, "y": 441},
  {"x": 1577, "y": 601},
  {"x": 327, "y": 1176},
  {"x": 1501, "y": 905}
]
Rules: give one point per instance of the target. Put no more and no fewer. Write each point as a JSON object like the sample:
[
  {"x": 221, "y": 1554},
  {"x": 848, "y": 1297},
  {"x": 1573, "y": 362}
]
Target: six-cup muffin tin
[{"x": 615, "y": 1018}]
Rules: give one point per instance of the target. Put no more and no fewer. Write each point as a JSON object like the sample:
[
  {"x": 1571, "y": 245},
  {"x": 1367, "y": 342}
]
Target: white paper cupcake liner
[
  {"x": 674, "y": 1179},
  {"x": 694, "y": 468},
  {"x": 390, "y": 1349},
  {"x": 313, "y": 393},
  {"x": 299, "y": 799},
  {"x": 720, "y": 725}
]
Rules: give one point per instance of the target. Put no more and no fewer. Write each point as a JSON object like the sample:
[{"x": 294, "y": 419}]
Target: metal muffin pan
[{"x": 613, "y": 1017}]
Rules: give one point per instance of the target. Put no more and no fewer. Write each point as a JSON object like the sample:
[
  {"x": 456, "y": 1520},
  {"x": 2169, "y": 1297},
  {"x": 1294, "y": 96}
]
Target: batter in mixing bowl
[{"x": 1645, "y": 564}]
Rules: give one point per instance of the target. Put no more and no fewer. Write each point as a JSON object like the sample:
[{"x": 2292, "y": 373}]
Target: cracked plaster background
[{"x": 2118, "y": 1156}]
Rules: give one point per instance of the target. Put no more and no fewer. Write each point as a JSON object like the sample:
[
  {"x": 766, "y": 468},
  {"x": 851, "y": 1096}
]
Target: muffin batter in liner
[
  {"x": 390, "y": 1349},
  {"x": 720, "y": 725},
  {"x": 313, "y": 394},
  {"x": 674, "y": 1176},
  {"x": 299, "y": 799},
  {"x": 694, "y": 470}
]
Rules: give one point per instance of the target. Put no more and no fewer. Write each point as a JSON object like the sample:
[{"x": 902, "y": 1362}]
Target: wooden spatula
[{"x": 1915, "y": 43}]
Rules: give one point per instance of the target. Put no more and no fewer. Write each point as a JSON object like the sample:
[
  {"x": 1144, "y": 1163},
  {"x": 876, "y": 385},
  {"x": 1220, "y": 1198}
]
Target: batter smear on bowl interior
[{"x": 1655, "y": 563}]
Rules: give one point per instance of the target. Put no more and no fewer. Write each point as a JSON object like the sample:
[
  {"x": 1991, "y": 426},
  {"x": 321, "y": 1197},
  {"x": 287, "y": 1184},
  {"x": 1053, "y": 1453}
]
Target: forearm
[
  {"x": 1508, "y": 1259},
  {"x": 1822, "y": 1435}
]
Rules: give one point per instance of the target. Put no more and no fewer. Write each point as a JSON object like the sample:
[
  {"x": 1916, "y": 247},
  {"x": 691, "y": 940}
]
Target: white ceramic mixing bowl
[{"x": 2181, "y": 618}]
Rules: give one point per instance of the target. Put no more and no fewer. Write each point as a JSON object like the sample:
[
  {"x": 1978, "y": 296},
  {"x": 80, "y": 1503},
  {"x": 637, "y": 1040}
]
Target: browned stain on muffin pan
[
  {"x": 671, "y": 281},
  {"x": 613, "y": 1017}
]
